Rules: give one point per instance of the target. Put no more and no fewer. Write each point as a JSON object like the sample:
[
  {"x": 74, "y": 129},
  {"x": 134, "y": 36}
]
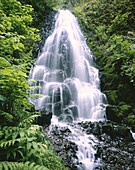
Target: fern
[
  {"x": 28, "y": 121},
  {"x": 7, "y": 116},
  {"x": 5, "y": 165},
  {"x": 11, "y": 142},
  {"x": 27, "y": 144}
]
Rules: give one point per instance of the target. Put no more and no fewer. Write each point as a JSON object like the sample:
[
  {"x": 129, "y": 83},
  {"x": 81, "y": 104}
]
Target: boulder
[
  {"x": 123, "y": 132},
  {"x": 111, "y": 114},
  {"x": 44, "y": 119}
]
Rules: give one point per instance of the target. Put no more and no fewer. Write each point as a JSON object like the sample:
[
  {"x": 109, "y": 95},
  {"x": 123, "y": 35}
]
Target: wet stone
[{"x": 114, "y": 153}]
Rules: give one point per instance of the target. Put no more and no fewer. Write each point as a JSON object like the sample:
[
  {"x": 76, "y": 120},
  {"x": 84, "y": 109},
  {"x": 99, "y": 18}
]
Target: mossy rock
[
  {"x": 118, "y": 113},
  {"x": 108, "y": 129},
  {"x": 124, "y": 132},
  {"x": 112, "y": 114},
  {"x": 131, "y": 121}
]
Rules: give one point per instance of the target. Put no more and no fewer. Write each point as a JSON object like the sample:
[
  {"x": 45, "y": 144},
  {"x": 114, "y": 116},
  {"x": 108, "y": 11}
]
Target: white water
[
  {"x": 68, "y": 82},
  {"x": 86, "y": 151}
]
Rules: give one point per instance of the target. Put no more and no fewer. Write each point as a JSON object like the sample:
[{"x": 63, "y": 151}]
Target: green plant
[
  {"x": 22, "y": 144},
  {"x": 109, "y": 29},
  {"x": 27, "y": 144},
  {"x": 20, "y": 166}
]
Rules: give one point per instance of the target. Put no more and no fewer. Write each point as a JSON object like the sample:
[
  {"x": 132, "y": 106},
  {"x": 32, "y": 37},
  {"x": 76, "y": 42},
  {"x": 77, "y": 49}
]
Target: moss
[{"x": 131, "y": 121}]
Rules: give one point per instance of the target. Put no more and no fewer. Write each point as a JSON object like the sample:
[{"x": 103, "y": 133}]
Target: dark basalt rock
[
  {"x": 65, "y": 148},
  {"x": 111, "y": 114},
  {"x": 115, "y": 146},
  {"x": 45, "y": 31},
  {"x": 44, "y": 119},
  {"x": 123, "y": 132},
  {"x": 108, "y": 129},
  {"x": 57, "y": 109}
]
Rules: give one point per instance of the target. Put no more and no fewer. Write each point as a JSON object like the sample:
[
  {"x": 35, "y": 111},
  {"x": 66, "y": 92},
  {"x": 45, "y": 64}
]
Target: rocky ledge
[
  {"x": 65, "y": 148},
  {"x": 115, "y": 146}
]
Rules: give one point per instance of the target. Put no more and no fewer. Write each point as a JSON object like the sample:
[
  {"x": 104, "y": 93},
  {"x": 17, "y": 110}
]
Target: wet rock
[
  {"x": 112, "y": 114},
  {"x": 45, "y": 119},
  {"x": 115, "y": 151},
  {"x": 57, "y": 109},
  {"x": 45, "y": 31},
  {"x": 124, "y": 132},
  {"x": 95, "y": 128},
  {"x": 66, "y": 118},
  {"x": 108, "y": 129},
  {"x": 59, "y": 75},
  {"x": 65, "y": 95},
  {"x": 65, "y": 148},
  {"x": 73, "y": 110}
]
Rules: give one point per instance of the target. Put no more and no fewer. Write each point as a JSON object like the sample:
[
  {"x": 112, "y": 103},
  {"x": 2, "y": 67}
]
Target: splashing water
[{"x": 67, "y": 83}]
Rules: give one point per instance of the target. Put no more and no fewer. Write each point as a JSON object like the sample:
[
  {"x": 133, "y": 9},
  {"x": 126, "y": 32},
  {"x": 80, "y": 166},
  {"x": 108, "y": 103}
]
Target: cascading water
[{"x": 66, "y": 81}]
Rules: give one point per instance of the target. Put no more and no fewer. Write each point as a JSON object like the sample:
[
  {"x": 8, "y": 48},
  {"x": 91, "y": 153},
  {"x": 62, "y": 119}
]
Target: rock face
[
  {"x": 45, "y": 31},
  {"x": 45, "y": 119},
  {"x": 63, "y": 146},
  {"x": 115, "y": 146}
]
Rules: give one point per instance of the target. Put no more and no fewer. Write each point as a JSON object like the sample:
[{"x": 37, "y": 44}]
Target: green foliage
[
  {"x": 41, "y": 9},
  {"x": 123, "y": 110},
  {"x": 109, "y": 27},
  {"x": 15, "y": 29},
  {"x": 14, "y": 87},
  {"x": 22, "y": 144},
  {"x": 131, "y": 121},
  {"x": 20, "y": 166},
  {"x": 119, "y": 22},
  {"x": 27, "y": 144},
  {"x": 4, "y": 63},
  {"x": 112, "y": 96}
]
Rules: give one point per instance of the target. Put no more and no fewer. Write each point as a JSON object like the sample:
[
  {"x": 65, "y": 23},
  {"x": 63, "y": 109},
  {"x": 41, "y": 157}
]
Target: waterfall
[
  {"x": 64, "y": 81},
  {"x": 67, "y": 83}
]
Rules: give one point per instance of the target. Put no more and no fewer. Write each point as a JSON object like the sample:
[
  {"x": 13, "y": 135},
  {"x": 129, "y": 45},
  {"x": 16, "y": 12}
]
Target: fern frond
[
  {"x": 11, "y": 142},
  {"x": 29, "y": 120},
  {"x": 7, "y": 116},
  {"x": 5, "y": 165}
]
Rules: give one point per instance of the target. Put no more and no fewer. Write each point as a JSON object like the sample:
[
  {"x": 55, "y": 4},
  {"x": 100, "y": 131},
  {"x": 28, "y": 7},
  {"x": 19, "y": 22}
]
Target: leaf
[
  {"x": 5, "y": 167},
  {"x": 32, "y": 165},
  {"x": 21, "y": 153},
  {"x": 21, "y": 134},
  {"x": 14, "y": 154},
  {"x": 8, "y": 155},
  {"x": 28, "y": 146},
  {"x": 33, "y": 81},
  {"x": 4, "y": 63},
  {"x": 2, "y": 98},
  {"x": 6, "y": 72},
  {"x": 7, "y": 116},
  {"x": 35, "y": 146},
  {"x": 31, "y": 139}
]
